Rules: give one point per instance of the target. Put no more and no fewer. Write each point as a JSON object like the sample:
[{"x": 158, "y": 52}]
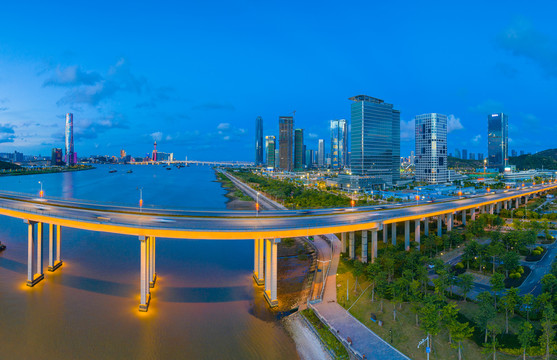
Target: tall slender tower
[
  {"x": 69, "y": 154},
  {"x": 498, "y": 140},
  {"x": 286, "y": 125},
  {"x": 431, "y": 148},
  {"x": 258, "y": 141},
  {"x": 155, "y": 152}
]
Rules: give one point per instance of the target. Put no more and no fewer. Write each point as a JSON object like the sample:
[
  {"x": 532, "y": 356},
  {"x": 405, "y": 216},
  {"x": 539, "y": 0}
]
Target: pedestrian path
[{"x": 364, "y": 341}]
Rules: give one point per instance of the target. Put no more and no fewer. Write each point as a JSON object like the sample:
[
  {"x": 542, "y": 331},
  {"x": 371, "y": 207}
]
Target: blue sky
[{"x": 195, "y": 75}]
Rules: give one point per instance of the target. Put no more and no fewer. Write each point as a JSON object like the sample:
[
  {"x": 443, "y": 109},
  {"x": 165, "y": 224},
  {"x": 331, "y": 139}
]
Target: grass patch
[{"x": 325, "y": 334}]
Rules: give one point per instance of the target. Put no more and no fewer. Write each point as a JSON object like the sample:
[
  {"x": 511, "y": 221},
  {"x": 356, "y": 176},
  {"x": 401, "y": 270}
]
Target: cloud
[
  {"x": 407, "y": 130},
  {"x": 91, "y": 128},
  {"x": 488, "y": 107},
  {"x": 7, "y": 133},
  {"x": 476, "y": 139},
  {"x": 223, "y": 126},
  {"x": 118, "y": 79},
  {"x": 3, "y": 108},
  {"x": 156, "y": 136},
  {"x": 72, "y": 76},
  {"x": 453, "y": 123},
  {"x": 521, "y": 39},
  {"x": 313, "y": 136},
  {"x": 214, "y": 106}
]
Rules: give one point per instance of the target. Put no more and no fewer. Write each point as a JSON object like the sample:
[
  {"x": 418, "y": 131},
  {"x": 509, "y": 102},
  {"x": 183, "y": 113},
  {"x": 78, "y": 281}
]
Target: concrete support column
[
  {"x": 271, "y": 255},
  {"x": 439, "y": 225},
  {"x": 351, "y": 245},
  {"x": 482, "y": 209},
  {"x": 373, "y": 245},
  {"x": 407, "y": 235},
  {"x": 517, "y": 202},
  {"x": 267, "y": 266},
  {"x": 53, "y": 242},
  {"x": 393, "y": 228},
  {"x": 491, "y": 208},
  {"x": 40, "y": 248},
  {"x": 385, "y": 233},
  {"x": 473, "y": 214},
  {"x": 417, "y": 230},
  {"x": 450, "y": 222},
  {"x": 426, "y": 226},
  {"x": 34, "y": 261},
  {"x": 364, "y": 246},
  {"x": 343, "y": 244},
  {"x": 152, "y": 272},
  {"x": 463, "y": 213},
  {"x": 498, "y": 207},
  {"x": 145, "y": 294},
  {"x": 258, "y": 270},
  {"x": 505, "y": 205}
]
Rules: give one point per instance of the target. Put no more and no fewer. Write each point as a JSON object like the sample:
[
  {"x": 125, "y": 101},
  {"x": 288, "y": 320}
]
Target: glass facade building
[
  {"x": 375, "y": 140},
  {"x": 321, "y": 153},
  {"x": 339, "y": 143},
  {"x": 431, "y": 148},
  {"x": 258, "y": 141},
  {"x": 270, "y": 147},
  {"x": 70, "y": 157},
  {"x": 299, "y": 149},
  {"x": 286, "y": 125},
  {"x": 497, "y": 140}
]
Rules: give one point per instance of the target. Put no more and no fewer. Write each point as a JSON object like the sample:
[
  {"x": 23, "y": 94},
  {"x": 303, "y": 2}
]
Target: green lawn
[{"x": 326, "y": 335}]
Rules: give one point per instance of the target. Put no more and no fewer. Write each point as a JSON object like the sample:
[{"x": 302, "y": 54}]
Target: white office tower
[{"x": 431, "y": 148}]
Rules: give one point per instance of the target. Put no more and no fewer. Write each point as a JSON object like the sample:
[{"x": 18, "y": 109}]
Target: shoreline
[{"x": 46, "y": 171}]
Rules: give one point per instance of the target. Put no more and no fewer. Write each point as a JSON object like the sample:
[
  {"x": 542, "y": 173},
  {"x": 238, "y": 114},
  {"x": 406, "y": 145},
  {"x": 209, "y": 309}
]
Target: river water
[{"x": 204, "y": 305}]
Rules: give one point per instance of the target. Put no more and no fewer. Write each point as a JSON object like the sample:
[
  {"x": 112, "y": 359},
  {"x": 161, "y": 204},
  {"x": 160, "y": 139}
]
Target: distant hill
[
  {"x": 550, "y": 153},
  {"x": 456, "y": 163},
  {"x": 546, "y": 159},
  {"x": 8, "y": 166}
]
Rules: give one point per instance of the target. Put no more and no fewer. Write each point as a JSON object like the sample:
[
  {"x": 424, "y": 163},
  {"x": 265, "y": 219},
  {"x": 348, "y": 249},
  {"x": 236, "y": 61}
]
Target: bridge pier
[
  {"x": 373, "y": 245},
  {"x": 407, "y": 235},
  {"x": 517, "y": 202},
  {"x": 491, "y": 208},
  {"x": 271, "y": 272},
  {"x": 145, "y": 292},
  {"x": 152, "y": 272},
  {"x": 258, "y": 270},
  {"x": 505, "y": 205},
  {"x": 450, "y": 222},
  {"x": 364, "y": 246},
  {"x": 54, "y": 232},
  {"x": 439, "y": 225},
  {"x": 343, "y": 242},
  {"x": 385, "y": 233},
  {"x": 463, "y": 214},
  {"x": 498, "y": 208},
  {"x": 426, "y": 226},
  {"x": 393, "y": 228},
  {"x": 351, "y": 245},
  {"x": 34, "y": 263},
  {"x": 473, "y": 214},
  {"x": 417, "y": 230}
]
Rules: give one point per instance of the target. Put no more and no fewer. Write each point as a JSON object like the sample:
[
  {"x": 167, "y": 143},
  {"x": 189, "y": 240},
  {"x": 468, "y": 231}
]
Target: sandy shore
[{"x": 308, "y": 345}]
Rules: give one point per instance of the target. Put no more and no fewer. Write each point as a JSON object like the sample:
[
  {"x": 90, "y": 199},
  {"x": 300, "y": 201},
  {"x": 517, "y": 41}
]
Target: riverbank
[
  {"x": 237, "y": 200},
  {"x": 48, "y": 170}
]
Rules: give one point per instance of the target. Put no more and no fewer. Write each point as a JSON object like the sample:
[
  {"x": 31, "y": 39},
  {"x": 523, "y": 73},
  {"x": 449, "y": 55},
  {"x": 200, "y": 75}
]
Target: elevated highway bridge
[{"x": 266, "y": 228}]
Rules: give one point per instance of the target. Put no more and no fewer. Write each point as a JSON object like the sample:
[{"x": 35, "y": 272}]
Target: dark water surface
[{"x": 204, "y": 306}]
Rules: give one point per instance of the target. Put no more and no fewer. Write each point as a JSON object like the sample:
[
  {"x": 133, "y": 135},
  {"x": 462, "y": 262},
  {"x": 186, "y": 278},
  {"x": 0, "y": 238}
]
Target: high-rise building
[
  {"x": 339, "y": 143},
  {"x": 69, "y": 154},
  {"x": 298, "y": 149},
  {"x": 513, "y": 153},
  {"x": 497, "y": 140},
  {"x": 56, "y": 157},
  {"x": 321, "y": 153},
  {"x": 472, "y": 156},
  {"x": 375, "y": 140},
  {"x": 122, "y": 153},
  {"x": 309, "y": 158},
  {"x": 412, "y": 158},
  {"x": 258, "y": 141},
  {"x": 270, "y": 146},
  {"x": 155, "y": 158},
  {"x": 521, "y": 152},
  {"x": 286, "y": 125},
  {"x": 480, "y": 156},
  {"x": 431, "y": 148},
  {"x": 464, "y": 154},
  {"x": 457, "y": 153},
  {"x": 277, "y": 158}
]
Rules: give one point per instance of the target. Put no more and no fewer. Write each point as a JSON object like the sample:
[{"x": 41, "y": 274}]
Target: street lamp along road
[{"x": 41, "y": 193}]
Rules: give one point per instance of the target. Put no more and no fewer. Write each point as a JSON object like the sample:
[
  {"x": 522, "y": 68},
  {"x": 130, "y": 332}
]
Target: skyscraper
[
  {"x": 299, "y": 149},
  {"x": 270, "y": 146},
  {"x": 321, "y": 153},
  {"x": 258, "y": 141},
  {"x": 339, "y": 143},
  {"x": 69, "y": 154},
  {"x": 514, "y": 154},
  {"x": 286, "y": 125},
  {"x": 431, "y": 148},
  {"x": 375, "y": 140},
  {"x": 472, "y": 156},
  {"x": 56, "y": 157},
  {"x": 155, "y": 158},
  {"x": 457, "y": 153},
  {"x": 464, "y": 154},
  {"x": 480, "y": 156},
  {"x": 309, "y": 158},
  {"x": 497, "y": 140}
]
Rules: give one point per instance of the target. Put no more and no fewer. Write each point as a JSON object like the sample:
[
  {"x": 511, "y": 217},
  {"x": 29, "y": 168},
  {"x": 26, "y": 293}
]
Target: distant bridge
[{"x": 198, "y": 162}]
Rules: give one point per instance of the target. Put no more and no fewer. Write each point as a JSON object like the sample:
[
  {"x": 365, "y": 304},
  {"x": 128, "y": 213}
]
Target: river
[{"x": 204, "y": 305}]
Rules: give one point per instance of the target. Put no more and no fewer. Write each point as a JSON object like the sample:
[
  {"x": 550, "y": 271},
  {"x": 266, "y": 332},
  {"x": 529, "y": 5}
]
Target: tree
[
  {"x": 373, "y": 271},
  {"x": 509, "y": 302},
  {"x": 527, "y": 302},
  {"x": 460, "y": 332},
  {"x": 449, "y": 315},
  {"x": 470, "y": 252},
  {"x": 549, "y": 282},
  {"x": 494, "y": 331},
  {"x": 510, "y": 261},
  {"x": 495, "y": 250},
  {"x": 358, "y": 271},
  {"x": 526, "y": 337},
  {"x": 497, "y": 282},
  {"x": 547, "y": 339},
  {"x": 466, "y": 283},
  {"x": 486, "y": 311},
  {"x": 430, "y": 319}
]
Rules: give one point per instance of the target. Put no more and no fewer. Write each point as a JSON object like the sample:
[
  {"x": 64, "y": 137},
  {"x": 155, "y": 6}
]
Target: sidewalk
[{"x": 364, "y": 341}]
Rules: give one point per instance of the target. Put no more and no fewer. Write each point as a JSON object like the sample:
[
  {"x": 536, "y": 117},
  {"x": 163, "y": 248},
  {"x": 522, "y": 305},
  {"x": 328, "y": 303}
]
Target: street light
[
  {"x": 140, "y": 198},
  {"x": 41, "y": 193},
  {"x": 257, "y": 205}
]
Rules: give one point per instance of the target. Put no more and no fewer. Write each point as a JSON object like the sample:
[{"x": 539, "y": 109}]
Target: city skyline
[{"x": 199, "y": 106}]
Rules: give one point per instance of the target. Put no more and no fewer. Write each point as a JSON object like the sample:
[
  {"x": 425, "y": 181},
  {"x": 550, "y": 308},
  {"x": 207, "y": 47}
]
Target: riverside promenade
[{"x": 365, "y": 343}]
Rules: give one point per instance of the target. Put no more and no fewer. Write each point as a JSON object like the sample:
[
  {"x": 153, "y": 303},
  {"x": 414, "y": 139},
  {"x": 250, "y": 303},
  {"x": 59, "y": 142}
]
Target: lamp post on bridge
[
  {"x": 140, "y": 198},
  {"x": 41, "y": 193},
  {"x": 257, "y": 205}
]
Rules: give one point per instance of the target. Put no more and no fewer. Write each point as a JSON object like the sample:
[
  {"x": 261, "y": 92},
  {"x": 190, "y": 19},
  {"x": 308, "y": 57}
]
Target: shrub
[
  {"x": 515, "y": 275},
  {"x": 536, "y": 252},
  {"x": 520, "y": 270},
  {"x": 459, "y": 265}
]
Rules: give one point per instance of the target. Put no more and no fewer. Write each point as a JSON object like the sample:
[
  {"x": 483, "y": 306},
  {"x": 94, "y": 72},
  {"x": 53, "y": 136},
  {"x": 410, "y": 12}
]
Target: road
[{"x": 225, "y": 224}]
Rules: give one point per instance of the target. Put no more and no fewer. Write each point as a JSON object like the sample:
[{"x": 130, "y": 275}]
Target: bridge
[
  {"x": 265, "y": 228},
  {"x": 197, "y": 163}
]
